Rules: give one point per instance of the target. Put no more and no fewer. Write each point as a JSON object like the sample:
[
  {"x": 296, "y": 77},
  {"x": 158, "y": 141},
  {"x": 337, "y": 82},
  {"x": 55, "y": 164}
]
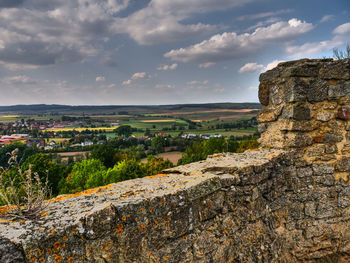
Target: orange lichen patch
[
  {"x": 86, "y": 192},
  {"x": 184, "y": 237},
  {"x": 143, "y": 226},
  {"x": 38, "y": 252},
  {"x": 70, "y": 260},
  {"x": 33, "y": 260},
  {"x": 41, "y": 260},
  {"x": 64, "y": 238},
  {"x": 4, "y": 209},
  {"x": 52, "y": 231},
  {"x": 49, "y": 251},
  {"x": 124, "y": 218},
  {"x": 43, "y": 214},
  {"x": 150, "y": 209},
  {"x": 57, "y": 246},
  {"x": 58, "y": 258},
  {"x": 4, "y": 221},
  {"x": 157, "y": 176},
  {"x": 119, "y": 229},
  {"x": 141, "y": 209},
  {"x": 82, "y": 239},
  {"x": 136, "y": 219}
]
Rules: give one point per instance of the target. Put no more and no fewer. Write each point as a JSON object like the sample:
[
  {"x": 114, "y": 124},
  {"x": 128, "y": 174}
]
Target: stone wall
[{"x": 287, "y": 201}]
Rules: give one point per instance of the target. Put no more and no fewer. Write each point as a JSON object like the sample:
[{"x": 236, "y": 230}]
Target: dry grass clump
[{"x": 23, "y": 192}]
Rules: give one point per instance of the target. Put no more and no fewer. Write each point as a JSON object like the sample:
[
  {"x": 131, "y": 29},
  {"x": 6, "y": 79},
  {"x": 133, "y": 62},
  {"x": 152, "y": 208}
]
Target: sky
[{"x": 152, "y": 52}]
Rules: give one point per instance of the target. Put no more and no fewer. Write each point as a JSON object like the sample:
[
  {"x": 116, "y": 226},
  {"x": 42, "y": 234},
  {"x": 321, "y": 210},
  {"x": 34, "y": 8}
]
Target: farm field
[{"x": 171, "y": 156}]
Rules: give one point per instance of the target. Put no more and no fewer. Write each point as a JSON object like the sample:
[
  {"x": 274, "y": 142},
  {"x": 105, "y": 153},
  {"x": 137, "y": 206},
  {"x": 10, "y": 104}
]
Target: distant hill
[{"x": 113, "y": 109}]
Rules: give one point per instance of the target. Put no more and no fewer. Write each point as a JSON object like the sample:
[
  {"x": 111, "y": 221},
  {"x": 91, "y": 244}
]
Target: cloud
[
  {"x": 341, "y": 35},
  {"x": 272, "y": 64},
  {"x": 164, "y": 87},
  {"x": 207, "y": 65},
  {"x": 196, "y": 82},
  {"x": 162, "y": 20},
  {"x": 326, "y": 18},
  {"x": 136, "y": 76},
  {"x": 10, "y": 3},
  {"x": 40, "y": 33},
  {"x": 251, "y": 67},
  {"x": 342, "y": 29},
  {"x": 168, "y": 67},
  {"x": 18, "y": 80},
  {"x": 127, "y": 82},
  {"x": 229, "y": 45},
  {"x": 100, "y": 79},
  {"x": 139, "y": 75},
  {"x": 264, "y": 14}
]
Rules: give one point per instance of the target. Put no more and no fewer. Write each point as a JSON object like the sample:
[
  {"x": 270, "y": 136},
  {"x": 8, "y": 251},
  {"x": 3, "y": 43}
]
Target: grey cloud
[
  {"x": 55, "y": 32},
  {"x": 38, "y": 53},
  {"x": 10, "y": 3}
]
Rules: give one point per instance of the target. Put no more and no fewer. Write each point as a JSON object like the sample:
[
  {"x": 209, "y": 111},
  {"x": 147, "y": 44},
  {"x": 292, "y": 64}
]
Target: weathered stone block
[
  {"x": 343, "y": 165},
  {"x": 295, "y": 91},
  {"x": 340, "y": 90},
  {"x": 264, "y": 94},
  {"x": 328, "y": 137},
  {"x": 344, "y": 113},
  {"x": 297, "y": 112},
  {"x": 325, "y": 116},
  {"x": 270, "y": 74},
  {"x": 269, "y": 114},
  {"x": 336, "y": 70},
  {"x": 318, "y": 91}
]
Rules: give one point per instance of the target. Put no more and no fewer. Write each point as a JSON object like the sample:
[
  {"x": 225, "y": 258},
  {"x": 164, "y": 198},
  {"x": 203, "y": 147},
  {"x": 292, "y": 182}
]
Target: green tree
[
  {"x": 158, "y": 144},
  {"x": 124, "y": 130},
  {"x": 156, "y": 165},
  {"x": 85, "y": 174},
  {"x": 46, "y": 169},
  {"x": 23, "y": 153},
  {"x": 105, "y": 153}
]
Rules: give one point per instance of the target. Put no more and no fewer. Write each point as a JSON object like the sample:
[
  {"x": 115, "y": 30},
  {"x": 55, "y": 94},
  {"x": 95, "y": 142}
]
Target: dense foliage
[{"x": 199, "y": 150}]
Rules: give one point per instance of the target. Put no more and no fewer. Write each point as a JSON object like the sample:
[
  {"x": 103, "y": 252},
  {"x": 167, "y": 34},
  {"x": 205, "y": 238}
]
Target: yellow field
[
  {"x": 81, "y": 129},
  {"x": 166, "y": 120},
  {"x": 10, "y": 116}
]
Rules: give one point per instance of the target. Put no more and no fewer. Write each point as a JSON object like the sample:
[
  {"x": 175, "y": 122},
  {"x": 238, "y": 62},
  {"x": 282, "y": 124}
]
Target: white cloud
[
  {"x": 230, "y": 45},
  {"x": 264, "y": 14},
  {"x": 196, "y": 82},
  {"x": 18, "y": 80},
  {"x": 136, "y": 76},
  {"x": 168, "y": 67},
  {"x": 272, "y": 64},
  {"x": 139, "y": 75},
  {"x": 326, "y": 18},
  {"x": 100, "y": 79},
  {"x": 251, "y": 67},
  {"x": 342, "y": 29},
  {"x": 341, "y": 35},
  {"x": 163, "y": 86},
  {"x": 161, "y": 20},
  {"x": 207, "y": 65},
  {"x": 127, "y": 82}
]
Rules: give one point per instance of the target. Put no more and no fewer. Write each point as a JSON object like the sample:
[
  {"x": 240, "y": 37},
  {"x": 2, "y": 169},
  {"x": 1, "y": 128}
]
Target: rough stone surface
[{"x": 288, "y": 201}]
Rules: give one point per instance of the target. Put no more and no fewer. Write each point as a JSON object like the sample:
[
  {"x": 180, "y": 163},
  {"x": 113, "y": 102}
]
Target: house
[{"x": 87, "y": 143}]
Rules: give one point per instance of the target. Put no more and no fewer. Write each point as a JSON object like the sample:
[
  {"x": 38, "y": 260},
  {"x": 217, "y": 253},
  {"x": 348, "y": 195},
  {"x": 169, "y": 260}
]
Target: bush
[{"x": 22, "y": 190}]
